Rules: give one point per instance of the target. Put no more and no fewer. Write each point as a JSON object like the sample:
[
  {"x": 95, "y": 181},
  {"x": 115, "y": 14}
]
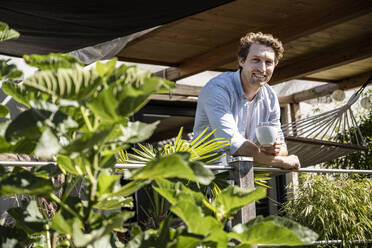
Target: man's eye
[
  {"x": 269, "y": 62},
  {"x": 256, "y": 60}
]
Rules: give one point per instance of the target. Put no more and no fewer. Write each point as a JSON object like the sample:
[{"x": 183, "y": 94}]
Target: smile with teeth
[{"x": 259, "y": 76}]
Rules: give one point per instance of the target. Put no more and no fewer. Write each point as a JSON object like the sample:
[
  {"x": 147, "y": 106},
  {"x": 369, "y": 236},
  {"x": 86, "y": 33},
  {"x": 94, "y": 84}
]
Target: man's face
[{"x": 259, "y": 65}]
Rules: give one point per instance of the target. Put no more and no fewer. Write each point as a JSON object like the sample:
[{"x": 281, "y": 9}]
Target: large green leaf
[
  {"x": 7, "y": 33},
  {"x": 273, "y": 230},
  {"x": 27, "y": 124},
  {"x": 23, "y": 93},
  {"x": 137, "y": 131},
  {"x": 105, "y": 105},
  {"x": 21, "y": 181},
  {"x": 28, "y": 218},
  {"x": 52, "y": 61},
  {"x": 134, "y": 98},
  {"x": 73, "y": 84},
  {"x": 174, "y": 166},
  {"x": 233, "y": 198},
  {"x": 30, "y": 122},
  {"x": 175, "y": 192},
  {"x": 8, "y": 71},
  {"x": 4, "y": 111},
  {"x": 199, "y": 224}
]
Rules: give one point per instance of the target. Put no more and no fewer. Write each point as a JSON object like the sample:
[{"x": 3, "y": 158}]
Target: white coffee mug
[{"x": 266, "y": 134}]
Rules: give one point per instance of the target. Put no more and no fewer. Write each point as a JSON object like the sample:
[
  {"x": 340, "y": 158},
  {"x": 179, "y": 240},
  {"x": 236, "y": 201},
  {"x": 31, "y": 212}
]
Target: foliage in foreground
[
  {"x": 80, "y": 118},
  {"x": 337, "y": 208}
]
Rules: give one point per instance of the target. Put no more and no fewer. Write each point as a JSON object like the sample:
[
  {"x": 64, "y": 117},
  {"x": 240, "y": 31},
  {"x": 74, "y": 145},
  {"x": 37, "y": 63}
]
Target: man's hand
[
  {"x": 290, "y": 162},
  {"x": 260, "y": 157},
  {"x": 276, "y": 149},
  {"x": 273, "y": 150}
]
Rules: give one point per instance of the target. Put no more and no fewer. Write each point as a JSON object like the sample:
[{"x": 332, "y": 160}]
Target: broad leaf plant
[{"x": 79, "y": 119}]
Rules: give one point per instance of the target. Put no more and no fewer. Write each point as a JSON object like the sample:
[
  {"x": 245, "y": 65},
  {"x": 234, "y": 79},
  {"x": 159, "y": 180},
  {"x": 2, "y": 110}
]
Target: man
[{"x": 234, "y": 103}]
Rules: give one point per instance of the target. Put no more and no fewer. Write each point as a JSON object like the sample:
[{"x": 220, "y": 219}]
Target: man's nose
[{"x": 262, "y": 66}]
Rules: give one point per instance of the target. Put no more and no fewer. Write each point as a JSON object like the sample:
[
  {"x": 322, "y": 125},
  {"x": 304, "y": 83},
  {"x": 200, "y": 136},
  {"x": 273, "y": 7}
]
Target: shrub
[{"x": 337, "y": 208}]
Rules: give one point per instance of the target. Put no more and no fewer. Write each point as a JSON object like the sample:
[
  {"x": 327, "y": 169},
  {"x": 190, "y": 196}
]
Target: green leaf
[
  {"x": 48, "y": 145},
  {"x": 21, "y": 181},
  {"x": 107, "y": 183},
  {"x": 74, "y": 166},
  {"x": 105, "y": 69},
  {"x": 6, "y": 33},
  {"x": 8, "y": 71},
  {"x": 190, "y": 241},
  {"x": 199, "y": 224},
  {"x": 23, "y": 93},
  {"x": 175, "y": 192},
  {"x": 173, "y": 166},
  {"x": 52, "y": 61},
  {"x": 29, "y": 218},
  {"x": 273, "y": 230},
  {"x": 4, "y": 111},
  {"x": 86, "y": 141},
  {"x": 110, "y": 203},
  {"x": 105, "y": 105},
  {"x": 62, "y": 225},
  {"x": 137, "y": 131},
  {"x": 72, "y": 84},
  {"x": 130, "y": 187},
  {"x": 233, "y": 198},
  {"x": 134, "y": 98},
  {"x": 203, "y": 174},
  {"x": 28, "y": 124}
]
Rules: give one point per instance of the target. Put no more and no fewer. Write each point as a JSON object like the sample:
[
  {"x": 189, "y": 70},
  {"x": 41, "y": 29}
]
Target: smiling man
[{"x": 235, "y": 103}]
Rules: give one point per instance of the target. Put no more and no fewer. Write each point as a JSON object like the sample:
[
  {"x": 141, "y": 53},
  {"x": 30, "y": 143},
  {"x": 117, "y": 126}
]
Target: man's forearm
[{"x": 259, "y": 157}]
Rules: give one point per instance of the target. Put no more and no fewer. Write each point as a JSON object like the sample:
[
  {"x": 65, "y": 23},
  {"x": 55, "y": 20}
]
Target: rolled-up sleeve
[{"x": 216, "y": 104}]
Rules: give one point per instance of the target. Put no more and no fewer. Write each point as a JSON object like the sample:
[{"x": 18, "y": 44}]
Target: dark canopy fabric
[{"x": 62, "y": 26}]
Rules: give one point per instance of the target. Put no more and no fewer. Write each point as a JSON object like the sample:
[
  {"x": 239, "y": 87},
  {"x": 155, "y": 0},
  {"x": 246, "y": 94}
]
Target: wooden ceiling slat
[
  {"x": 330, "y": 57},
  {"x": 289, "y": 30},
  {"x": 327, "y": 89}
]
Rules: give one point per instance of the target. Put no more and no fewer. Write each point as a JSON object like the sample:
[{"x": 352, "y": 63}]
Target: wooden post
[
  {"x": 295, "y": 114},
  {"x": 244, "y": 178}
]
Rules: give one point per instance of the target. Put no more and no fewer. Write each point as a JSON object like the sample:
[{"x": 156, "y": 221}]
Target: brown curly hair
[{"x": 263, "y": 39}]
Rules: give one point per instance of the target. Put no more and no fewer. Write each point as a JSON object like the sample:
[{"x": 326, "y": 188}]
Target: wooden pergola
[{"x": 324, "y": 40}]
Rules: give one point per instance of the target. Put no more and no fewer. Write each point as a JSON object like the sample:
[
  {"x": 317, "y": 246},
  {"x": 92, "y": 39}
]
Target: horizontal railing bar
[
  {"x": 211, "y": 167},
  {"x": 334, "y": 242},
  {"x": 306, "y": 170}
]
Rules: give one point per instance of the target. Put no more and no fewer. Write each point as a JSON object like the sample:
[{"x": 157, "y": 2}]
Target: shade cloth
[{"x": 64, "y": 26}]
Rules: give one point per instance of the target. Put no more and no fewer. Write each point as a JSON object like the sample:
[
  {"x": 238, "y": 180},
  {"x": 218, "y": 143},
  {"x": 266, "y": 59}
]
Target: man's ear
[{"x": 241, "y": 61}]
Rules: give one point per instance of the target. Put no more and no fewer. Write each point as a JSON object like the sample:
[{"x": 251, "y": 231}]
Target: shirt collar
[{"x": 239, "y": 87}]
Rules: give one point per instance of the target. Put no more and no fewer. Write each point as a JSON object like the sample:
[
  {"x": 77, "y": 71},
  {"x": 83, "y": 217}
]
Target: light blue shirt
[{"x": 222, "y": 105}]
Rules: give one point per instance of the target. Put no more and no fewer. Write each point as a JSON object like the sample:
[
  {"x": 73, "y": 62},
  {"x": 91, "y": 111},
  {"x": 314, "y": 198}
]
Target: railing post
[{"x": 243, "y": 177}]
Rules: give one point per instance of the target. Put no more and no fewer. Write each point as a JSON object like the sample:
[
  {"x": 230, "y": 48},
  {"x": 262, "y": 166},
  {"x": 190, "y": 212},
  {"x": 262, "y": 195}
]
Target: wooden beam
[
  {"x": 330, "y": 57},
  {"x": 187, "y": 90},
  {"x": 288, "y": 31},
  {"x": 327, "y": 89},
  {"x": 180, "y": 93}
]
